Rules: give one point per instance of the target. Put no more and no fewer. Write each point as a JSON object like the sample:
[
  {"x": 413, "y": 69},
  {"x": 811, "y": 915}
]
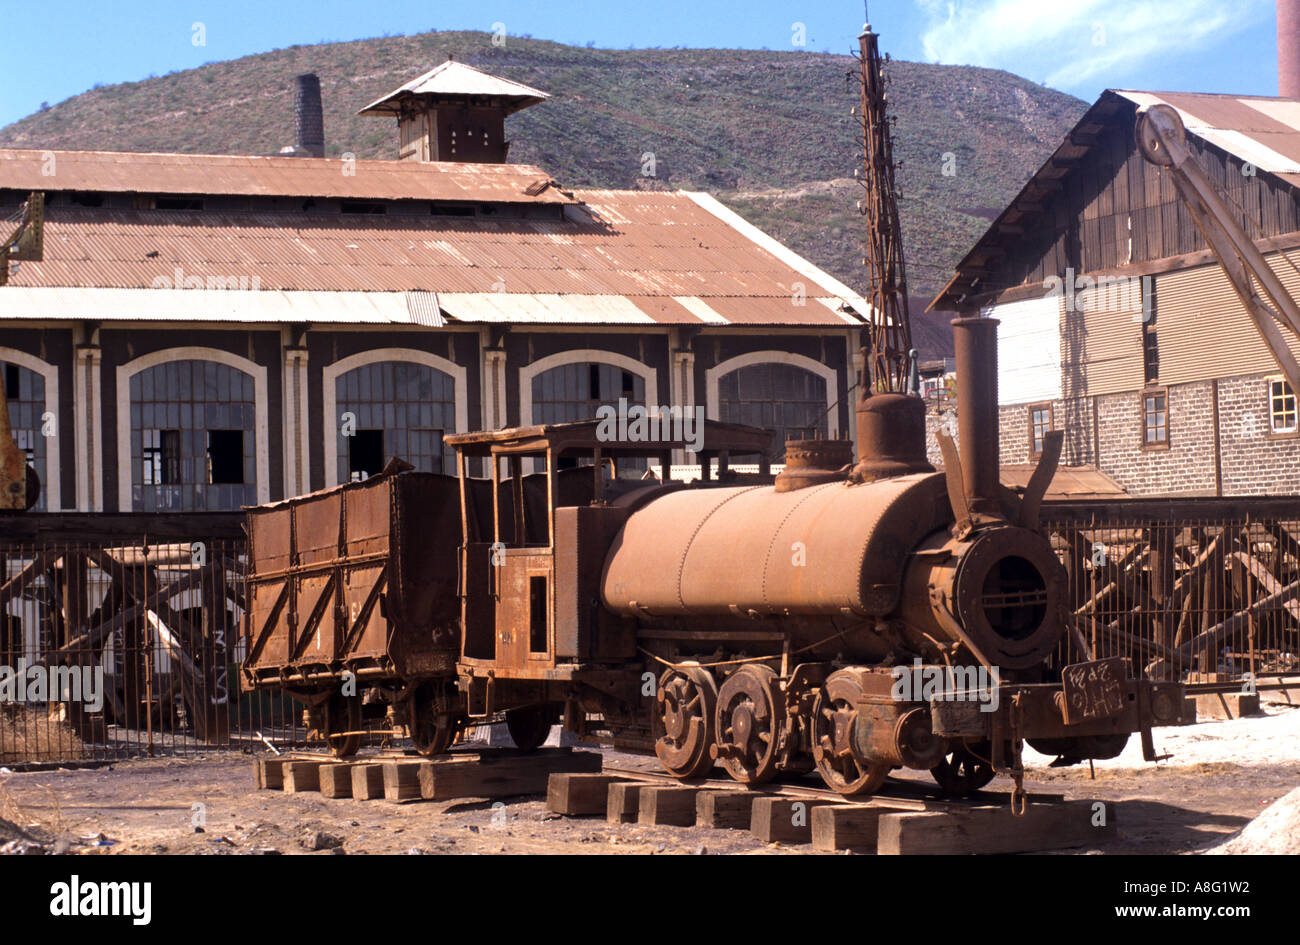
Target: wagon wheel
[
  {"x": 343, "y": 714},
  {"x": 962, "y": 773},
  {"x": 832, "y": 738},
  {"x": 432, "y": 731},
  {"x": 529, "y": 726},
  {"x": 685, "y": 704},
  {"x": 748, "y": 723}
]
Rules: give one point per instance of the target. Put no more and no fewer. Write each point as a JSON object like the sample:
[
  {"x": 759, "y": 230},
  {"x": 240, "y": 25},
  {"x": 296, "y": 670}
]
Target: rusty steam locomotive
[{"x": 850, "y": 617}]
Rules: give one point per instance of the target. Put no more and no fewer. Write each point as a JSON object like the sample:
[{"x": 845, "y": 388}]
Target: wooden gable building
[{"x": 1117, "y": 324}]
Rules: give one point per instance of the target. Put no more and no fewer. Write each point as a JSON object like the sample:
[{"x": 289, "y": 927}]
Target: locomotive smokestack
[
  {"x": 976, "y": 340},
  {"x": 309, "y": 122},
  {"x": 1288, "y": 48}
]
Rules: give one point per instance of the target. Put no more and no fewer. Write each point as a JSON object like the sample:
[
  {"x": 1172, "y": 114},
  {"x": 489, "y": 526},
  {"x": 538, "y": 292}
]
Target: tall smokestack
[
  {"x": 976, "y": 341},
  {"x": 1288, "y": 48},
  {"x": 309, "y": 122}
]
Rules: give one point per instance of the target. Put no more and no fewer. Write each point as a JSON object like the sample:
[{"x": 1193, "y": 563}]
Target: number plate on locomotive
[{"x": 1093, "y": 690}]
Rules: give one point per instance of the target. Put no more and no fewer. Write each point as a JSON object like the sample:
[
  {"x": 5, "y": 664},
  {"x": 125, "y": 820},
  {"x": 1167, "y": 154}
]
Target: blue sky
[{"x": 53, "y": 49}]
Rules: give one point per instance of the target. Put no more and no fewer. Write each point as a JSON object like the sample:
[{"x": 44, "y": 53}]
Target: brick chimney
[
  {"x": 1288, "y": 48},
  {"x": 309, "y": 122}
]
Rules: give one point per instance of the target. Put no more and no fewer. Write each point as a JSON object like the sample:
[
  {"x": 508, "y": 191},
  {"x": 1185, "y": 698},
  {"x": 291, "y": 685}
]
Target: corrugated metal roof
[
  {"x": 272, "y": 176},
  {"x": 1264, "y": 132},
  {"x": 1069, "y": 483},
  {"x": 671, "y": 261},
  {"x": 456, "y": 78}
]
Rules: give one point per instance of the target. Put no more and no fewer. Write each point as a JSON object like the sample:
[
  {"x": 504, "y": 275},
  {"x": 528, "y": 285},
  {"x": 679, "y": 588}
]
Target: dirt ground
[{"x": 1185, "y": 804}]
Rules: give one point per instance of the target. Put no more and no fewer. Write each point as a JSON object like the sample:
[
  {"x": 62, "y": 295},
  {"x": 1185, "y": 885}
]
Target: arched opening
[
  {"x": 784, "y": 398},
  {"x": 192, "y": 437},
  {"x": 25, "y": 392},
  {"x": 394, "y": 408},
  {"x": 575, "y": 391}
]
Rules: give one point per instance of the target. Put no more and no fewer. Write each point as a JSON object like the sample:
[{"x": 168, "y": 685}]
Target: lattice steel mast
[{"x": 887, "y": 362}]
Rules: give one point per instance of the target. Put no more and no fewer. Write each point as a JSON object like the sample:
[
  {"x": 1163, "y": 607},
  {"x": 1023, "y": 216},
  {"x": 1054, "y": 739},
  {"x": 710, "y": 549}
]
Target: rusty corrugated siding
[{"x": 1204, "y": 330}]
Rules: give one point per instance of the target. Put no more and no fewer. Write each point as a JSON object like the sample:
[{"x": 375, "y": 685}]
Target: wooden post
[
  {"x": 783, "y": 820},
  {"x": 670, "y": 805},
  {"x": 729, "y": 810},
  {"x": 367, "y": 781}
]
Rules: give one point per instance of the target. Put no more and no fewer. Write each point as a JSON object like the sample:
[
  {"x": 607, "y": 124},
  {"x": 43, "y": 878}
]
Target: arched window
[
  {"x": 786, "y": 398},
  {"x": 397, "y": 408},
  {"x": 573, "y": 385},
  {"x": 25, "y": 391},
  {"x": 575, "y": 391},
  {"x": 192, "y": 437}
]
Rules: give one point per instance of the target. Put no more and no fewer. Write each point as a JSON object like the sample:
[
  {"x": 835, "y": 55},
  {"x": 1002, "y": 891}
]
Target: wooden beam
[
  {"x": 624, "y": 802},
  {"x": 335, "y": 780},
  {"x": 502, "y": 774},
  {"x": 367, "y": 781},
  {"x": 729, "y": 810},
  {"x": 848, "y": 826},
  {"x": 783, "y": 819},
  {"x": 670, "y": 805},
  {"x": 301, "y": 776},
  {"x": 1052, "y": 826},
  {"x": 578, "y": 794}
]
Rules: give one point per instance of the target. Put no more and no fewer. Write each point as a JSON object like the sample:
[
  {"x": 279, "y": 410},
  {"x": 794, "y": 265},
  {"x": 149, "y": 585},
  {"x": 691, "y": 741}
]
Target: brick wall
[
  {"x": 1185, "y": 468},
  {"x": 938, "y": 418},
  {"x": 1255, "y": 461}
]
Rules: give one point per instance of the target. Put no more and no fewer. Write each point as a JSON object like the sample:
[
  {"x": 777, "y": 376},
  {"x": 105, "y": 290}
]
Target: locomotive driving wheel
[
  {"x": 962, "y": 772},
  {"x": 748, "y": 722},
  {"x": 685, "y": 704},
  {"x": 342, "y": 724},
  {"x": 832, "y": 737}
]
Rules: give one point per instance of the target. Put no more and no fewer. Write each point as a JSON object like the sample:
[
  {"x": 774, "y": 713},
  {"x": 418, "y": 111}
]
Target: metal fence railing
[
  {"x": 125, "y": 646},
  {"x": 115, "y": 643},
  {"x": 1202, "y": 591}
]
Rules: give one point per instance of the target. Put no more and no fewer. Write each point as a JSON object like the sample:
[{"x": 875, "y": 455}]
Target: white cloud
[{"x": 1073, "y": 43}]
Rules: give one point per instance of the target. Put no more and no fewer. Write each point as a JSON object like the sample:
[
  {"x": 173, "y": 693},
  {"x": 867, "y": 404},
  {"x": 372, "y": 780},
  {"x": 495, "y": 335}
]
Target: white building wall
[{"x": 1029, "y": 350}]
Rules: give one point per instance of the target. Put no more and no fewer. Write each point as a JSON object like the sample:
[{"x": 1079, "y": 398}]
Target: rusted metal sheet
[
  {"x": 676, "y": 265},
  {"x": 361, "y": 577},
  {"x": 736, "y": 551},
  {"x": 124, "y": 172}
]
